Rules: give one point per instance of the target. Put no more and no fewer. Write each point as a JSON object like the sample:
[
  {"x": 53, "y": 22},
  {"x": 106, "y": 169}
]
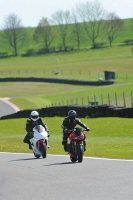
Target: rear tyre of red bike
[{"x": 73, "y": 158}]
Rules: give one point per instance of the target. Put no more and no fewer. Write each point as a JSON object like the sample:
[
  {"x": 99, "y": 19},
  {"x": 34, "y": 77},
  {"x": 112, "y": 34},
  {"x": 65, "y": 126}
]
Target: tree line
[{"x": 88, "y": 18}]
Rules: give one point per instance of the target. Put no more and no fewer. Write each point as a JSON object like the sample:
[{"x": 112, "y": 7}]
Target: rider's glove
[
  {"x": 31, "y": 134},
  {"x": 87, "y": 129},
  {"x": 66, "y": 130},
  {"x": 48, "y": 133}
]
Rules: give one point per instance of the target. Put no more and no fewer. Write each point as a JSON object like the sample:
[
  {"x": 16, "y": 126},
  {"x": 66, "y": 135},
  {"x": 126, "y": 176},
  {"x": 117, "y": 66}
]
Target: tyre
[
  {"x": 80, "y": 153},
  {"x": 36, "y": 155},
  {"x": 43, "y": 150},
  {"x": 73, "y": 158}
]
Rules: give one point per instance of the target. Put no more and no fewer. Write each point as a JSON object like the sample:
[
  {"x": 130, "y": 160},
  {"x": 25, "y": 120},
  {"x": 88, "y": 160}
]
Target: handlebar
[{"x": 84, "y": 130}]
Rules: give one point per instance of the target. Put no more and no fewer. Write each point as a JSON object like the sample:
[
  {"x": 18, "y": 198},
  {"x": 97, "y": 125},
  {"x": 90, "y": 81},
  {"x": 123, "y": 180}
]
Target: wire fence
[
  {"x": 122, "y": 100},
  {"x": 57, "y": 72}
]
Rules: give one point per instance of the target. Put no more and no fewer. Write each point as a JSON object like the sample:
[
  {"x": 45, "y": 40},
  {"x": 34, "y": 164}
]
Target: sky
[{"x": 31, "y": 11}]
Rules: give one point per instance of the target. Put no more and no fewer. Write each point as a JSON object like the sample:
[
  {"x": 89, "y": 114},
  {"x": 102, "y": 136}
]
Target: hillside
[{"x": 31, "y": 45}]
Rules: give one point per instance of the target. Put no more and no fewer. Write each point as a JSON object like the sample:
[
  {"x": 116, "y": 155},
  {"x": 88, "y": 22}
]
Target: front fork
[
  {"x": 39, "y": 143},
  {"x": 74, "y": 145}
]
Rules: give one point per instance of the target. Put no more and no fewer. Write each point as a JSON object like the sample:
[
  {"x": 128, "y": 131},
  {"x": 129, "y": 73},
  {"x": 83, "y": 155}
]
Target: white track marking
[{"x": 95, "y": 158}]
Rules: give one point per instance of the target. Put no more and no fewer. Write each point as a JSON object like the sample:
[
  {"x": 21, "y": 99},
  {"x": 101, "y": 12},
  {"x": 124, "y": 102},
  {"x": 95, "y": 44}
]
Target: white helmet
[{"x": 34, "y": 115}]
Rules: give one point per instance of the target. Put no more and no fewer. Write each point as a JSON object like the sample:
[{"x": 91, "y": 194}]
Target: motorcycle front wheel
[
  {"x": 80, "y": 154},
  {"x": 43, "y": 150}
]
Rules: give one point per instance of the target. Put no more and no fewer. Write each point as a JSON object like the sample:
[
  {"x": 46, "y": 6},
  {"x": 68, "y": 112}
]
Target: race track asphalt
[
  {"x": 23, "y": 177},
  {"x": 6, "y": 107}
]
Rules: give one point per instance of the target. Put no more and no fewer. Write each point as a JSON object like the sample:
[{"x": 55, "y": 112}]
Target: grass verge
[{"x": 108, "y": 138}]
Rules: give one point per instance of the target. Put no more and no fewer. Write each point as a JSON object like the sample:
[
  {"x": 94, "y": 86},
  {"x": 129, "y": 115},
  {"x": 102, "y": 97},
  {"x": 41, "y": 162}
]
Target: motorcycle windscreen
[
  {"x": 38, "y": 128},
  {"x": 78, "y": 131},
  {"x": 39, "y": 132}
]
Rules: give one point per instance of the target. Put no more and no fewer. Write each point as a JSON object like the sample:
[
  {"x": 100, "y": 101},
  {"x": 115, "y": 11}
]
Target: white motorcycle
[{"x": 39, "y": 142}]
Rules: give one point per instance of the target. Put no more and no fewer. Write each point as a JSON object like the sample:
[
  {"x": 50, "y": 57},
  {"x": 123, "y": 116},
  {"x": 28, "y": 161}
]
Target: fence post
[
  {"x": 88, "y": 100},
  {"x": 82, "y": 101},
  {"x": 124, "y": 100},
  {"x": 131, "y": 99},
  {"x": 102, "y": 99},
  {"x": 109, "y": 99},
  {"x": 116, "y": 99},
  {"x": 95, "y": 99}
]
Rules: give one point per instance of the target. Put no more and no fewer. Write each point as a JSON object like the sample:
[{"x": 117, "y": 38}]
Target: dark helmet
[{"x": 72, "y": 114}]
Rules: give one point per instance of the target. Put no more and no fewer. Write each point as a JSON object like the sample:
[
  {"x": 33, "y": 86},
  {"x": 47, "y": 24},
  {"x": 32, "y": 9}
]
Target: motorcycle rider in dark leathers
[
  {"x": 31, "y": 122},
  {"x": 69, "y": 123}
]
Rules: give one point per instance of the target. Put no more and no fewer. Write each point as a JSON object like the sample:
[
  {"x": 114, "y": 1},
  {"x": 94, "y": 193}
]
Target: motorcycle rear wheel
[
  {"x": 73, "y": 159},
  {"x": 43, "y": 150}
]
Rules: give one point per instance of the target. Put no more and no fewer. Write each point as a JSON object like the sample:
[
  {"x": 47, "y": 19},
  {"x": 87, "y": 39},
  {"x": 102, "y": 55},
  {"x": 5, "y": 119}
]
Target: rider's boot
[
  {"x": 64, "y": 143},
  {"x": 30, "y": 147},
  {"x": 48, "y": 145}
]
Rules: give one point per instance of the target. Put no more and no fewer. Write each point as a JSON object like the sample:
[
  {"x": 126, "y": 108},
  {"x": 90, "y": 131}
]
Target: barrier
[{"x": 82, "y": 112}]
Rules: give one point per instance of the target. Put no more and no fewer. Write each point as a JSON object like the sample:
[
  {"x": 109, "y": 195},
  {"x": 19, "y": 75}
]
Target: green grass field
[
  {"x": 83, "y": 65},
  {"x": 109, "y": 137}
]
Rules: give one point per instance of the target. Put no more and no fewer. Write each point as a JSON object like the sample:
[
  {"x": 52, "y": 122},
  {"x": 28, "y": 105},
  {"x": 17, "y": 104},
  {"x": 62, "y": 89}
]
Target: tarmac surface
[
  {"x": 6, "y": 107},
  {"x": 23, "y": 177}
]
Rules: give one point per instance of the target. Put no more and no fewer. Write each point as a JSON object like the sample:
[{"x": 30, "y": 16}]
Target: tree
[
  {"x": 62, "y": 19},
  {"x": 113, "y": 25},
  {"x": 77, "y": 29},
  {"x": 92, "y": 15},
  {"x": 14, "y": 33},
  {"x": 44, "y": 34}
]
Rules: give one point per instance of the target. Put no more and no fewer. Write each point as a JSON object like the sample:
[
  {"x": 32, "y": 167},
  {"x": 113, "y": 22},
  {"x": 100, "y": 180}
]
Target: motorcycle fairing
[
  {"x": 40, "y": 135},
  {"x": 39, "y": 132},
  {"x": 77, "y": 135},
  {"x": 41, "y": 141}
]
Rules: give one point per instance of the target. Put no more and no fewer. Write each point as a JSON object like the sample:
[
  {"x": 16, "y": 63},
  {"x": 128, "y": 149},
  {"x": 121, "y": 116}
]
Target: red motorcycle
[{"x": 76, "y": 147}]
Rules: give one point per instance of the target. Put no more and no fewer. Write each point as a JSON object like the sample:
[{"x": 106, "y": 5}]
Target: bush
[{"x": 128, "y": 42}]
